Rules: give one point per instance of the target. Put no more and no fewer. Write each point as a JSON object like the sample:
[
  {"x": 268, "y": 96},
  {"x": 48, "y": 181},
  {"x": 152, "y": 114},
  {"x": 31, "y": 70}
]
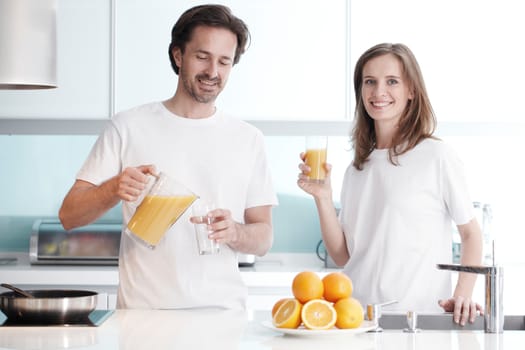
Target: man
[{"x": 216, "y": 157}]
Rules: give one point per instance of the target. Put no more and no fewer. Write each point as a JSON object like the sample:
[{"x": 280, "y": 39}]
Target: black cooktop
[{"x": 95, "y": 319}]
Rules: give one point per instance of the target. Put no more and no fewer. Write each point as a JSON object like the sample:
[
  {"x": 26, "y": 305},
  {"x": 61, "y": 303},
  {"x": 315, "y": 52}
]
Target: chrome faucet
[
  {"x": 494, "y": 317},
  {"x": 374, "y": 311}
]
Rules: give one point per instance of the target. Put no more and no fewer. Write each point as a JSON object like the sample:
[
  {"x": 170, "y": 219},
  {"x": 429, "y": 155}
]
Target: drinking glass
[
  {"x": 205, "y": 245},
  {"x": 315, "y": 158}
]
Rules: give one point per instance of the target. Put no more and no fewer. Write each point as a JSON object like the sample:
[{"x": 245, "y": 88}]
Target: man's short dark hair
[{"x": 211, "y": 16}]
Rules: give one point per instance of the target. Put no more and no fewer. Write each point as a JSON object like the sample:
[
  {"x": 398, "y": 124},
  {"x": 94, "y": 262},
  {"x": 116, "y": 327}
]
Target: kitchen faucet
[
  {"x": 374, "y": 311},
  {"x": 494, "y": 317}
]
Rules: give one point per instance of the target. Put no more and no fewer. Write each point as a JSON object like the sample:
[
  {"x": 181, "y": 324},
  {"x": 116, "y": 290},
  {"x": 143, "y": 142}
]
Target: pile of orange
[{"x": 319, "y": 303}]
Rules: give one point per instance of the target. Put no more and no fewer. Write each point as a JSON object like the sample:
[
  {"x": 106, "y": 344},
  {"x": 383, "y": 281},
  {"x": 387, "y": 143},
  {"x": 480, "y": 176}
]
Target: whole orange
[
  {"x": 307, "y": 285},
  {"x": 337, "y": 286},
  {"x": 350, "y": 313}
]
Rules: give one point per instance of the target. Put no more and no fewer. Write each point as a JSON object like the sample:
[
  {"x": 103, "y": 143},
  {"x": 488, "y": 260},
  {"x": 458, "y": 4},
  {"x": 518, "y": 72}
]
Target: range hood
[{"x": 28, "y": 44}]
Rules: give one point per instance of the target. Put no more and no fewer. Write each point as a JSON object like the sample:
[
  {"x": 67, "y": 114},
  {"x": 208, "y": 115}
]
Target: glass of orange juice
[
  {"x": 164, "y": 202},
  {"x": 315, "y": 158}
]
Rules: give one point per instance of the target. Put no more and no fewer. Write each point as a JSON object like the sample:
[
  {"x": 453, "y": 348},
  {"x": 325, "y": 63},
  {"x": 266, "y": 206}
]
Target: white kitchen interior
[{"x": 295, "y": 79}]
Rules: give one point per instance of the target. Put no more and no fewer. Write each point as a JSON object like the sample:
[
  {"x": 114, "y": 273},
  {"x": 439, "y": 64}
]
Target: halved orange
[
  {"x": 288, "y": 315},
  {"x": 318, "y": 314},
  {"x": 278, "y": 304}
]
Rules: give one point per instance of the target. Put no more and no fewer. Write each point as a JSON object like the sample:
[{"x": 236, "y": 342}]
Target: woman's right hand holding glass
[{"x": 316, "y": 189}]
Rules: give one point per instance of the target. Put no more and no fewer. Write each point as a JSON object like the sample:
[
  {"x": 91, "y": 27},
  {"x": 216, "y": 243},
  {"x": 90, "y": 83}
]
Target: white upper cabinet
[
  {"x": 298, "y": 66},
  {"x": 469, "y": 51},
  {"x": 83, "y": 68},
  {"x": 294, "y": 69}
]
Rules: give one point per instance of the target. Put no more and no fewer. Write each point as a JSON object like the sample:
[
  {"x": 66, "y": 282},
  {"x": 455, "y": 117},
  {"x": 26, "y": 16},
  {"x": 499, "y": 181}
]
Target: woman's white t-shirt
[
  {"x": 217, "y": 158},
  {"x": 398, "y": 223}
]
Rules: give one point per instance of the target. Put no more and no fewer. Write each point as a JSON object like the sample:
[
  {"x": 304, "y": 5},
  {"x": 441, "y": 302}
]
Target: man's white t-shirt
[
  {"x": 217, "y": 158},
  {"x": 398, "y": 222}
]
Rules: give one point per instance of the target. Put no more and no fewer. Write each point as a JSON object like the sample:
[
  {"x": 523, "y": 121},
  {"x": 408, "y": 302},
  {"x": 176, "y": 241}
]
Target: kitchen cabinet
[
  {"x": 83, "y": 68},
  {"x": 462, "y": 35},
  {"x": 294, "y": 69},
  {"x": 112, "y": 55}
]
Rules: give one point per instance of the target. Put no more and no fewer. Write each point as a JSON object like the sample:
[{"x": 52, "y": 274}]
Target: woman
[{"x": 400, "y": 195}]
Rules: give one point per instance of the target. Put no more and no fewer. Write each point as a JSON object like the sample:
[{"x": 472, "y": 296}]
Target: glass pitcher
[{"x": 162, "y": 205}]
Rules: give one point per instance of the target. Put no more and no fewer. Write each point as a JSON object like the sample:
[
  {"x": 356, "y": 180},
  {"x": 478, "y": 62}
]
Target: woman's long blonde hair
[{"x": 418, "y": 121}]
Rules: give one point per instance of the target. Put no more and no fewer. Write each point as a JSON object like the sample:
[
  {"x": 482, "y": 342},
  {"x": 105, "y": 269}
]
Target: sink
[{"x": 443, "y": 321}]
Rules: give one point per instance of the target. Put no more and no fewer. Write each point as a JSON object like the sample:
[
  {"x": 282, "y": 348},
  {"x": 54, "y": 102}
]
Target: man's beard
[{"x": 201, "y": 98}]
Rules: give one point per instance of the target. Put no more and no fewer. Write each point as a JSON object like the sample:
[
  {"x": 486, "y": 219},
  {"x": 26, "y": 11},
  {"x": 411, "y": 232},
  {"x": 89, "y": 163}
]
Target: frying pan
[{"x": 48, "y": 306}]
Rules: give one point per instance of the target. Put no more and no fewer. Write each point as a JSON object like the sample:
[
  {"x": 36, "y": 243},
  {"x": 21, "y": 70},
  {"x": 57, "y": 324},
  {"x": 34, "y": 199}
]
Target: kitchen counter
[
  {"x": 211, "y": 329},
  {"x": 280, "y": 267},
  {"x": 215, "y": 329},
  {"x": 269, "y": 279}
]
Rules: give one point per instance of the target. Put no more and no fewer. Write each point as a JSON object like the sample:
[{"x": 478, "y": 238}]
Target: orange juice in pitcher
[{"x": 162, "y": 206}]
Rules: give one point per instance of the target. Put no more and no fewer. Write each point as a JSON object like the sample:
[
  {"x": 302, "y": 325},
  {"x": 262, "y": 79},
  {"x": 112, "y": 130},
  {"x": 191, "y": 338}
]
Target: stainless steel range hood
[{"x": 28, "y": 44}]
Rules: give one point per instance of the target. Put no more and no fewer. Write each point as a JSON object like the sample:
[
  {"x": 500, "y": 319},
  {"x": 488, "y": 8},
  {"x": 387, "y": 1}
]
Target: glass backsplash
[
  {"x": 38, "y": 170},
  {"x": 42, "y": 168}
]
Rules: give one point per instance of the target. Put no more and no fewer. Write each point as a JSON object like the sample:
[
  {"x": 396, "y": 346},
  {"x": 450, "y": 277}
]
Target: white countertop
[
  {"x": 205, "y": 329},
  {"x": 212, "y": 329}
]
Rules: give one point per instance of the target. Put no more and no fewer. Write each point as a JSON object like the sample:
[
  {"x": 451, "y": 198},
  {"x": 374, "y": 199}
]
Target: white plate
[{"x": 301, "y": 331}]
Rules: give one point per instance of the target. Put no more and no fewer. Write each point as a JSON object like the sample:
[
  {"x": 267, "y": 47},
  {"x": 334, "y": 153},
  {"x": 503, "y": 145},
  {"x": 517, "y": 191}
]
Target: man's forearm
[
  {"x": 86, "y": 202},
  {"x": 256, "y": 238}
]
